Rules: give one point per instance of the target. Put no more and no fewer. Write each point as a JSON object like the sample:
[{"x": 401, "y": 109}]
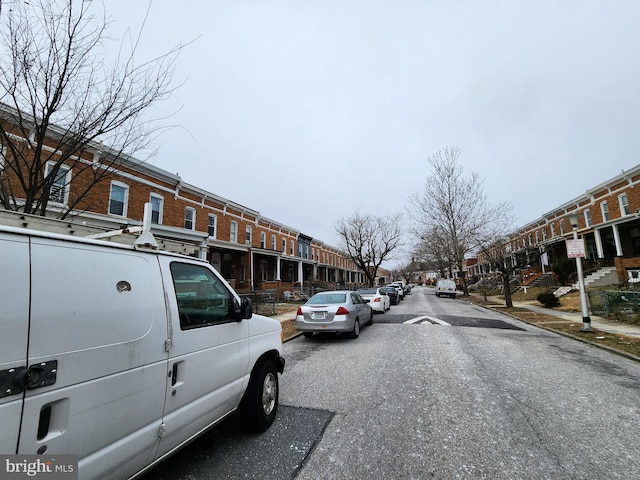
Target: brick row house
[
  {"x": 251, "y": 251},
  {"x": 608, "y": 220}
]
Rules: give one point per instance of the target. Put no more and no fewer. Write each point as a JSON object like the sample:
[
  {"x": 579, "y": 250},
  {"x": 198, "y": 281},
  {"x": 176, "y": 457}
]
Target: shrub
[{"x": 548, "y": 299}]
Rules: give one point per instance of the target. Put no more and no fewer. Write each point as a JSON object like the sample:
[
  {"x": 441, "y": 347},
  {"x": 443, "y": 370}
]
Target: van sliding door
[{"x": 98, "y": 318}]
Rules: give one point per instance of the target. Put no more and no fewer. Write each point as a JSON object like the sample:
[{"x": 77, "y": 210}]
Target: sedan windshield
[{"x": 324, "y": 298}]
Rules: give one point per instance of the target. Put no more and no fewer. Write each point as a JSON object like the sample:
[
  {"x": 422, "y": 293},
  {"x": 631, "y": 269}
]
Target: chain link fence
[{"x": 613, "y": 304}]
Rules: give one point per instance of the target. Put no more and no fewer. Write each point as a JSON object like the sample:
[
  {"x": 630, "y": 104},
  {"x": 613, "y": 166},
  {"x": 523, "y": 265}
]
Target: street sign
[{"x": 575, "y": 248}]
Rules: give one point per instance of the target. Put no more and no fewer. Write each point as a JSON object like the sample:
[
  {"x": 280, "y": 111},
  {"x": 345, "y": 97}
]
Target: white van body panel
[
  {"x": 14, "y": 308},
  {"x": 125, "y": 364},
  {"x": 99, "y": 312}
]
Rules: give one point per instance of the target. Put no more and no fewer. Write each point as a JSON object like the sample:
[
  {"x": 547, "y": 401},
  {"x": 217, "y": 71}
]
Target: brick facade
[
  {"x": 273, "y": 263},
  {"x": 608, "y": 222}
]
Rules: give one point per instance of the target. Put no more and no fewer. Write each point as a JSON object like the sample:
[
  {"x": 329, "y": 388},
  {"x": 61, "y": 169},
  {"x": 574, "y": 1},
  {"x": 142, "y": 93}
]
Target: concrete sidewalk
[
  {"x": 597, "y": 323},
  {"x": 283, "y": 317}
]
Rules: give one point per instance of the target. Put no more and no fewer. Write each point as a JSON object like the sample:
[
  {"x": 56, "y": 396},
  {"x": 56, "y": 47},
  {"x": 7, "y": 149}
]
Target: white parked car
[
  {"x": 120, "y": 355},
  {"x": 378, "y": 300}
]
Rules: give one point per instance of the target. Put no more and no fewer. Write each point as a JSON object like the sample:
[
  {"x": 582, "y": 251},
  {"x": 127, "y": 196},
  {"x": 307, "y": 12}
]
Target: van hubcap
[{"x": 269, "y": 393}]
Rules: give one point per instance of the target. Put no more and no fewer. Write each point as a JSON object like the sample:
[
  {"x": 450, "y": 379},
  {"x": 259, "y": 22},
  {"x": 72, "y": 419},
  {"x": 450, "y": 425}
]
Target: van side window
[{"x": 202, "y": 299}]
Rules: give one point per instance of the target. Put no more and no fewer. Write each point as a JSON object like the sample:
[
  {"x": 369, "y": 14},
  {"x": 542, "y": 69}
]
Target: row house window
[
  {"x": 604, "y": 208},
  {"x": 157, "y": 203},
  {"x": 212, "y": 222},
  {"x": 247, "y": 236},
  {"x": 190, "y": 218},
  {"x": 624, "y": 204},
  {"x": 263, "y": 240},
  {"x": 59, "y": 192},
  {"x": 118, "y": 199},
  {"x": 293, "y": 246},
  {"x": 587, "y": 218},
  {"x": 553, "y": 230},
  {"x": 273, "y": 242},
  {"x": 284, "y": 245},
  {"x": 233, "y": 232}
]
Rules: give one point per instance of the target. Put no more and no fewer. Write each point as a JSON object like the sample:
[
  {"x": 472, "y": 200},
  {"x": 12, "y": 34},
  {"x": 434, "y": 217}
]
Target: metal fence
[
  {"x": 264, "y": 301},
  {"x": 610, "y": 303}
]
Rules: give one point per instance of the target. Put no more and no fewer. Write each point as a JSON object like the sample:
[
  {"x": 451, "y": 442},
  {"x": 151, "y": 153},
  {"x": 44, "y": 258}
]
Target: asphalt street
[{"x": 474, "y": 395}]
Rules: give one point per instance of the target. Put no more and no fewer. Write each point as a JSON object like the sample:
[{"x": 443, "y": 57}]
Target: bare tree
[
  {"x": 370, "y": 240},
  {"x": 433, "y": 247},
  {"x": 504, "y": 263},
  {"x": 63, "y": 108},
  {"x": 454, "y": 210}
]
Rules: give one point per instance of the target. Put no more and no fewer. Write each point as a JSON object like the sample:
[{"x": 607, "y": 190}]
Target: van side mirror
[{"x": 243, "y": 310}]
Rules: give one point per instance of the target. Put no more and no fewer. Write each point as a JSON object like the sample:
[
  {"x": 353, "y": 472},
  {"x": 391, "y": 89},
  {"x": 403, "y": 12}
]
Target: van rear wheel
[{"x": 260, "y": 402}]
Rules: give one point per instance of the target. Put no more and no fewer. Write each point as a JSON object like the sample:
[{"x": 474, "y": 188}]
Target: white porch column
[
  {"x": 616, "y": 238},
  {"x": 278, "y": 260},
  {"x": 300, "y": 275},
  {"x": 599, "y": 249},
  {"x": 251, "y": 268}
]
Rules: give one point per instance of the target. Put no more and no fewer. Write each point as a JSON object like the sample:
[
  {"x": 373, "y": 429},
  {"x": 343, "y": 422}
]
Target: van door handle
[{"x": 174, "y": 374}]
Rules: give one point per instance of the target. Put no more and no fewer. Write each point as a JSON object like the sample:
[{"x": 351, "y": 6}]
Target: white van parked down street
[{"x": 121, "y": 354}]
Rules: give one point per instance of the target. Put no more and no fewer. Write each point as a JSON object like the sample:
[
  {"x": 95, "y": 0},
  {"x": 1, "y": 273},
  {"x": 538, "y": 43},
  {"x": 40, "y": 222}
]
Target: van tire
[{"x": 260, "y": 402}]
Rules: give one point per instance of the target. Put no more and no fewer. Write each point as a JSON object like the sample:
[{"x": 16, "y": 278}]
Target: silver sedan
[{"x": 335, "y": 311}]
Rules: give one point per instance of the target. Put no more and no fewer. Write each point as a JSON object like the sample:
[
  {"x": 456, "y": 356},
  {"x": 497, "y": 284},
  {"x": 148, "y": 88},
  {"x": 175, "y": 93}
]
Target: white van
[
  {"x": 446, "y": 287},
  {"x": 121, "y": 355}
]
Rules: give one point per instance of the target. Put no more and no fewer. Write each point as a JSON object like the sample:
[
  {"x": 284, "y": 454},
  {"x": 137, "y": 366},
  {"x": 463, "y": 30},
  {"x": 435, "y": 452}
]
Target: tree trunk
[{"x": 507, "y": 291}]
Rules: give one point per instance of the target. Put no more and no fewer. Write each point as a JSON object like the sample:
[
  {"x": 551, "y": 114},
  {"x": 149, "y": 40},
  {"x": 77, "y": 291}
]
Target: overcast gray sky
[{"x": 310, "y": 110}]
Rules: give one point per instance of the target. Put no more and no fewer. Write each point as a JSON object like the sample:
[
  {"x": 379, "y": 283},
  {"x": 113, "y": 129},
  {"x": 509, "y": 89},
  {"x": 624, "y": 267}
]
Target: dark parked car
[{"x": 393, "y": 294}]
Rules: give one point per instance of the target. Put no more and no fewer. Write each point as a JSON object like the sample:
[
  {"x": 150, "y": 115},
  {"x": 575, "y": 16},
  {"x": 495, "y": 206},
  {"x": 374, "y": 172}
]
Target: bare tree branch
[
  {"x": 63, "y": 107},
  {"x": 370, "y": 240},
  {"x": 453, "y": 215}
]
